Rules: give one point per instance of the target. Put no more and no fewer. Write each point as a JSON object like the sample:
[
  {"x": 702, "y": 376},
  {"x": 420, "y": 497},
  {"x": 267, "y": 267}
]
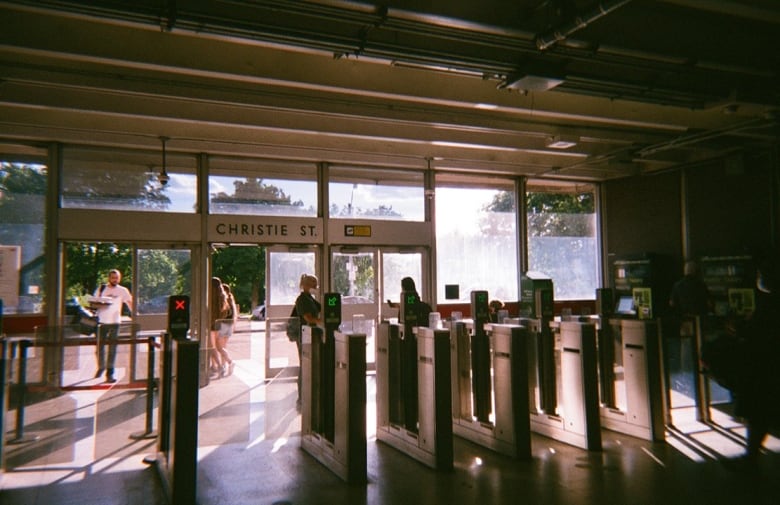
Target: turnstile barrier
[
  {"x": 343, "y": 448},
  {"x": 508, "y": 429},
  {"x": 431, "y": 442},
  {"x": 633, "y": 379},
  {"x": 569, "y": 413}
]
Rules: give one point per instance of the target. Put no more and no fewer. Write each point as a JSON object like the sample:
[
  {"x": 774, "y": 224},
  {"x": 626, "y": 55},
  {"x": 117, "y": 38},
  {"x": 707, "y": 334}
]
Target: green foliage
[
  {"x": 254, "y": 191},
  {"x": 363, "y": 264},
  {"x": 87, "y": 266},
  {"x": 243, "y": 268},
  {"x": 503, "y": 201},
  {"x": 350, "y": 211},
  {"x": 563, "y": 203},
  {"x": 21, "y": 179},
  {"x": 160, "y": 273},
  {"x": 555, "y": 214}
]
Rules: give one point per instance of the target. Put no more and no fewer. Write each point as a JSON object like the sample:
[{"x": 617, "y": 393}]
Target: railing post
[
  {"x": 22, "y": 386},
  {"x": 148, "y": 433}
]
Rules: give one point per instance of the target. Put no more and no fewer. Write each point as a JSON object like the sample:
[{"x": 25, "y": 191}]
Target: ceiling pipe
[{"x": 580, "y": 21}]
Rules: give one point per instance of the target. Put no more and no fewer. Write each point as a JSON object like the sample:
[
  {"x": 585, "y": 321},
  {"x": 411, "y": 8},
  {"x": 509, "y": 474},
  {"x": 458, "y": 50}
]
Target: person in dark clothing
[
  {"x": 308, "y": 309},
  {"x": 423, "y": 308},
  {"x": 690, "y": 295},
  {"x": 689, "y": 298},
  {"x": 757, "y": 387}
]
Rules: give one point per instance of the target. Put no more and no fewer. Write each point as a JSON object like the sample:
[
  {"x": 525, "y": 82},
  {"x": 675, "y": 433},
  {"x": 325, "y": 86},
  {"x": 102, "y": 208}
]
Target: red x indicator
[{"x": 180, "y": 305}]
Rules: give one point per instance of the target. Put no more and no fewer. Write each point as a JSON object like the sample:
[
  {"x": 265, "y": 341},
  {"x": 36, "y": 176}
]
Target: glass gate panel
[
  {"x": 396, "y": 266},
  {"x": 353, "y": 275},
  {"x": 285, "y": 268}
]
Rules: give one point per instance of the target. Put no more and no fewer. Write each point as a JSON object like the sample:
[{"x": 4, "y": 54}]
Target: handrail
[{"x": 47, "y": 337}]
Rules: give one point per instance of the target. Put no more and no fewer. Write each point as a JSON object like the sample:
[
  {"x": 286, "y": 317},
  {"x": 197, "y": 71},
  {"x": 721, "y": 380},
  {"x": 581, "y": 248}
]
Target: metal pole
[
  {"x": 148, "y": 433},
  {"x": 701, "y": 382},
  {"x": 20, "y": 438}
]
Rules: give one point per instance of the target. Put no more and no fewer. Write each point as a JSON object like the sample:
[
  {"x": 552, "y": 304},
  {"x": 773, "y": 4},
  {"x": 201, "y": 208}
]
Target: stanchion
[
  {"x": 148, "y": 433},
  {"x": 20, "y": 438},
  {"x": 3, "y": 391}
]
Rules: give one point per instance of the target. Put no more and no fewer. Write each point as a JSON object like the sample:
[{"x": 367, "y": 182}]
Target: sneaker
[
  {"x": 110, "y": 379},
  {"x": 224, "y": 372},
  {"x": 231, "y": 366}
]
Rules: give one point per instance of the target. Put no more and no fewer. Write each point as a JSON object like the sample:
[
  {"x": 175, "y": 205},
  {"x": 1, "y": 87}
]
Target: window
[
  {"x": 22, "y": 238},
  {"x": 476, "y": 236},
  {"x": 392, "y": 195},
  {"x": 115, "y": 179},
  {"x": 262, "y": 187},
  {"x": 562, "y": 237}
]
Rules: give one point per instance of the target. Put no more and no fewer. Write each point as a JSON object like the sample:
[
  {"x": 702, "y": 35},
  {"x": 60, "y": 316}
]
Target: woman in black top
[{"x": 308, "y": 309}]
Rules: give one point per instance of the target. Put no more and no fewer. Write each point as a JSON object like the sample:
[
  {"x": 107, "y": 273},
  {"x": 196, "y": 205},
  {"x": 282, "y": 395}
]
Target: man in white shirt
[{"x": 109, "y": 301}]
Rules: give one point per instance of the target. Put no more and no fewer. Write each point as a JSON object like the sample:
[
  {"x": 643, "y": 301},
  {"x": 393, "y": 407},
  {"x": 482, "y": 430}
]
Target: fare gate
[
  {"x": 570, "y": 412},
  {"x": 632, "y": 383},
  {"x": 427, "y": 439},
  {"x": 343, "y": 448},
  {"x": 507, "y": 431}
]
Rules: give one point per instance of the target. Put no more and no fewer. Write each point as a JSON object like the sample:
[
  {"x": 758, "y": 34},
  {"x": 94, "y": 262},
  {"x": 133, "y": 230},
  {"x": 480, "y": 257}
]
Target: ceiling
[{"x": 638, "y": 86}]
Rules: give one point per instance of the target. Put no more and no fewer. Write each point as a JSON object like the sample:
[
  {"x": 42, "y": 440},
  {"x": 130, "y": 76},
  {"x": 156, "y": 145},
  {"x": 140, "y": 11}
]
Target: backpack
[
  {"x": 294, "y": 326},
  {"x": 423, "y": 313}
]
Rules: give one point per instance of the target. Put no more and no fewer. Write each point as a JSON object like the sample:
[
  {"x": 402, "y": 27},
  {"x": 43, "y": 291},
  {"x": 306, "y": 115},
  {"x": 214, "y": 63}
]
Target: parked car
[
  {"x": 258, "y": 313},
  {"x": 156, "y": 305}
]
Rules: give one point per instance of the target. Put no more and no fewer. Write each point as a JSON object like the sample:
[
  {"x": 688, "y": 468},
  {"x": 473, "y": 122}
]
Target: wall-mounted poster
[{"x": 10, "y": 264}]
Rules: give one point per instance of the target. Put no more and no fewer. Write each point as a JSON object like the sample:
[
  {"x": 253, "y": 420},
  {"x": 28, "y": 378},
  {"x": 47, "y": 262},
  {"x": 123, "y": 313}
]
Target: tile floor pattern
[{"x": 82, "y": 447}]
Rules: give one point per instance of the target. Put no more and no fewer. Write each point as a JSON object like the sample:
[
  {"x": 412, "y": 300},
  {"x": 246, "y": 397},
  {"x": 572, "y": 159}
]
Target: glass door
[
  {"x": 161, "y": 273},
  {"x": 367, "y": 277},
  {"x": 285, "y": 266},
  {"x": 353, "y": 274}
]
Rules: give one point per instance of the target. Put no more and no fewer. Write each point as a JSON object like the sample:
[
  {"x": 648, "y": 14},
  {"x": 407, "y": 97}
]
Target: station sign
[{"x": 265, "y": 229}]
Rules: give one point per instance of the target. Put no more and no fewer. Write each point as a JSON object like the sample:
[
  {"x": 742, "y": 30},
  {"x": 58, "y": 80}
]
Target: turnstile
[
  {"x": 631, "y": 374},
  {"x": 570, "y": 411},
  {"x": 508, "y": 429},
  {"x": 338, "y": 442},
  {"x": 429, "y": 438},
  {"x": 177, "y": 445}
]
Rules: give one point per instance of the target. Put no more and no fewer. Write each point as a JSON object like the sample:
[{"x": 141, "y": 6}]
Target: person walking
[
  {"x": 757, "y": 385},
  {"x": 218, "y": 310},
  {"x": 107, "y": 302},
  {"x": 225, "y": 331}
]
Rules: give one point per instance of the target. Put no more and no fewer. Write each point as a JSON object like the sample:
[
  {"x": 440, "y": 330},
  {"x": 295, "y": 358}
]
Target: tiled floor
[{"x": 89, "y": 451}]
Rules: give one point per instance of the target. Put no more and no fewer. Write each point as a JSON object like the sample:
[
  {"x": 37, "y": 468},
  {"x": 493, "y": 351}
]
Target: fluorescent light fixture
[
  {"x": 531, "y": 82},
  {"x": 561, "y": 142}
]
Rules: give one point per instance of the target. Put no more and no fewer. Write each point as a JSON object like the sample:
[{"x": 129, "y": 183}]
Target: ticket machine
[{"x": 333, "y": 396}]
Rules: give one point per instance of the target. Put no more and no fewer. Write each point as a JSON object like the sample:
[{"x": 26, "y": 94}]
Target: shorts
[{"x": 225, "y": 329}]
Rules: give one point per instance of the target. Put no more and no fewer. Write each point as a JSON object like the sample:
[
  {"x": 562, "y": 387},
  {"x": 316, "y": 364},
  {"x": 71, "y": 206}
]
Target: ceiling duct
[{"x": 580, "y": 21}]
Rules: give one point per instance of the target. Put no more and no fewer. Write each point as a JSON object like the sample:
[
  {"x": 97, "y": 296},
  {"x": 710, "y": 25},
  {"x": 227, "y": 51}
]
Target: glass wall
[
  {"x": 476, "y": 236},
  {"x": 262, "y": 187},
  {"x": 115, "y": 179},
  {"x": 22, "y": 236},
  {"x": 392, "y": 195},
  {"x": 563, "y": 237}
]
